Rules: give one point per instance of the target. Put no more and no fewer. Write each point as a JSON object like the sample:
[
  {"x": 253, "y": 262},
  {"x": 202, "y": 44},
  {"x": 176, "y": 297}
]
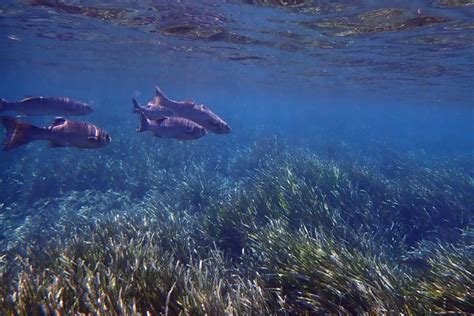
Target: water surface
[{"x": 351, "y": 120}]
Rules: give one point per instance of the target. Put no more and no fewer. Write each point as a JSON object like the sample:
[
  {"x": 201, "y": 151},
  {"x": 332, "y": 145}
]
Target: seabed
[{"x": 273, "y": 230}]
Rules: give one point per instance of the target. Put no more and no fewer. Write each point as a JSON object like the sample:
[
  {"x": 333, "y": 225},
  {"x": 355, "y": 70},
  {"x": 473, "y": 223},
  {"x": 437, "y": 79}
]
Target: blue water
[{"x": 373, "y": 93}]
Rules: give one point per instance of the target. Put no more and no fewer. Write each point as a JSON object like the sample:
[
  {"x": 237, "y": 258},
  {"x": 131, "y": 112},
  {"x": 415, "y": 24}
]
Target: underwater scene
[{"x": 236, "y": 157}]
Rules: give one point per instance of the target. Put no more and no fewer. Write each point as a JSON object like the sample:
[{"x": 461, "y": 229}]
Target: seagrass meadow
[
  {"x": 334, "y": 176},
  {"x": 274, "y": 230}
]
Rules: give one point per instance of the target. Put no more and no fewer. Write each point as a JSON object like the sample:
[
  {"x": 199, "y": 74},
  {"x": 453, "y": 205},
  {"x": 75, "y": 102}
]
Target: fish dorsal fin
[
  {"x": 58, "y": 121},
  {"x": 188, "y": 101},
  {"x": 156, "y": 102},
  {"x": 160, "y": 96},
  {"x": 29, "y": 97}
]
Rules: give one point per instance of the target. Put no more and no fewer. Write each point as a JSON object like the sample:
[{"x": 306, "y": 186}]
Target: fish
[
  {"x": 171, "y": 127},
  {"x": 57, "y": 106},
  {"x": 152, "y": 112},
  {"x": 200, "y": 114},
  {"x": 60, "y": 133}
]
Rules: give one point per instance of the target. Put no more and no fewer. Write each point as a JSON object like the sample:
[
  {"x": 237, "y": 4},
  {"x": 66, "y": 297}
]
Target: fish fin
[
  {"x": 143, "y": 123},
  {"x": 155, "y": 103},
  {"x": 28, "y": 98},
  {"x": 136, "y": 106},
  {"x": 18, "y": 132},
  {"x": 160, "y": 96},
  {"x": 3, "y": 104},
  {"x": 52, "y": 144},
  {"x": 188, "y": 101},
  {"x": 58, "y": 121}
]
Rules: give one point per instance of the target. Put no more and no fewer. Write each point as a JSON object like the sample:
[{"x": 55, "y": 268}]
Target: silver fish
[
  {"x": 61, "y": 133},
  {"x": 46, "y": 106},
  {"x": 152, "y": 112},
  {"x": 197, "y": 113},
  {"x": 171, "y": 127}
]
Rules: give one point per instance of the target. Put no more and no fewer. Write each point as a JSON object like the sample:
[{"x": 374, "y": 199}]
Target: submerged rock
[
  {"x": 448, "y": 41},
  {"x": 376, "y": 21},
  {"x": 93, "y": 12},
  {"x": 242, "y": 58},
  {"x": 418, "y": 263},
  {"x": 306, "y": 6},
  {"x": 179, "y": 29},
  {"x": 453, "y": 3},
  {"x": 280, "y": 3}
]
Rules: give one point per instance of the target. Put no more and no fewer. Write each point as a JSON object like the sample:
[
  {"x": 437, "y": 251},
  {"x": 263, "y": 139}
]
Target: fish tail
[
  {"x": 143, "y": 123},
  {"x": 136, "y": 106},
  {"x": 18, "y": 132}
]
